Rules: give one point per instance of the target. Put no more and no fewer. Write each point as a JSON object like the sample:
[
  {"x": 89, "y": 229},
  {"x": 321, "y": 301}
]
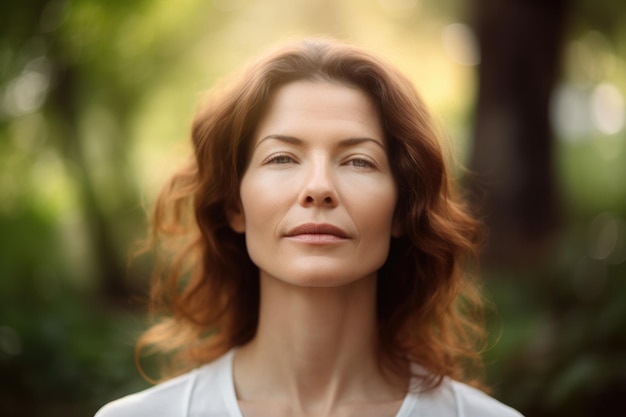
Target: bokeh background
[{"x": 96, "y": 99}]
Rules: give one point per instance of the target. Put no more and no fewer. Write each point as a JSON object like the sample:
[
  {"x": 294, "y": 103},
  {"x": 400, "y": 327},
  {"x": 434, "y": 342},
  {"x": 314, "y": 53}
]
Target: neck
[{"x": 314, "y": 347}]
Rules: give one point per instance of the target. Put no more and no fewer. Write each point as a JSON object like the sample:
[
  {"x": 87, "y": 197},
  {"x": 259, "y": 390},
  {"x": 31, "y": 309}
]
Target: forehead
[{"x": 310, "y": 107}]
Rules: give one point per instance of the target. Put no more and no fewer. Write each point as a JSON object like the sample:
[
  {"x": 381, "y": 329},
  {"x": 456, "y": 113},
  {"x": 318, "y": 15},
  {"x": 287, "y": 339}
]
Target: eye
[
  {"x": 279, "y": 159},
  {"x": 361, "y": 162}
]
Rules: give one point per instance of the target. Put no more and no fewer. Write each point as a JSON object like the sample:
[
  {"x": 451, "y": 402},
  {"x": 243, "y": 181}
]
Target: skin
[{"x": 317, "y": 203}]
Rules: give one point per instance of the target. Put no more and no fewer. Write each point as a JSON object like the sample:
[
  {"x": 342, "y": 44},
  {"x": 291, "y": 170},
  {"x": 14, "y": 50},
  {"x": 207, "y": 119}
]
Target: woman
[{"x": 322, "y": 270}]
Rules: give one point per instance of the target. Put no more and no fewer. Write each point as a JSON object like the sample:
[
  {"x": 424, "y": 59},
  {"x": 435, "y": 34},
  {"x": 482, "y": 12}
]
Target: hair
[{"x": 205, "y": 289}]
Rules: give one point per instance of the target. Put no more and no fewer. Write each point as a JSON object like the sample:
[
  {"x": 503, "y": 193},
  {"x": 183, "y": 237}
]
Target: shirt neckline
[{"x": 227, "y": 384}]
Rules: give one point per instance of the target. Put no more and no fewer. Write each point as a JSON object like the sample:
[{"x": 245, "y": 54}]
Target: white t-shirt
[{"x": 209, "y": 391}]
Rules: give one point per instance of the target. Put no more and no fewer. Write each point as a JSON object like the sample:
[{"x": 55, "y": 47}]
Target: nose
[{"x": 319, "y": 188}]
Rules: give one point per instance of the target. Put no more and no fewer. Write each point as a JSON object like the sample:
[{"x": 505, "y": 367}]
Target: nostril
[{"x": 326, "y": 200}]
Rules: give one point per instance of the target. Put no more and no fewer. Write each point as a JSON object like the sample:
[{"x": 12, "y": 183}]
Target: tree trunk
[
  {"x": 512, "y": 185},
  {"x": 109, "y": 266}
]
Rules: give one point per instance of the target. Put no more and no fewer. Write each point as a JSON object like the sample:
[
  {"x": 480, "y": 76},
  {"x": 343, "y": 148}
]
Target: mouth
[{"x": 317, "y": 233}]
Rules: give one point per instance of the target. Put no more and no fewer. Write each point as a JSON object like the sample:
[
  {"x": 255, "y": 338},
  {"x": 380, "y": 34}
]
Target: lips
[{"x": 321, "y": 229}]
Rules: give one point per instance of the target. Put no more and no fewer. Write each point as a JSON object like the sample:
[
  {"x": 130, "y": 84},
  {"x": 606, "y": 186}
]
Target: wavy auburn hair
[{"x": 205, "y": 289}]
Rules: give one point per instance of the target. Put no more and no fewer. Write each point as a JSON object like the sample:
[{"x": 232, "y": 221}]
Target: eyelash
[
  {"x": 367, "y": 163},
  {"x": 274, "y": 159}
]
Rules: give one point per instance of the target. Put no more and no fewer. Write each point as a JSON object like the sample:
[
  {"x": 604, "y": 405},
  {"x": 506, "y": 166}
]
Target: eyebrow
[{"x": 344, "y": 143}]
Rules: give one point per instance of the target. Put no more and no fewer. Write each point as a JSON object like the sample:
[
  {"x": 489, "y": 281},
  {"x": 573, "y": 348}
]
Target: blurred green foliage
[{"x": 95, "y": 97}]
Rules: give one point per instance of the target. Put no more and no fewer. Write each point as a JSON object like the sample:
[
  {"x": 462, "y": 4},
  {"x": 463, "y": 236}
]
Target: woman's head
[
  {"x": 419, "y": 282},
  {"x": 317, "y": 197}
]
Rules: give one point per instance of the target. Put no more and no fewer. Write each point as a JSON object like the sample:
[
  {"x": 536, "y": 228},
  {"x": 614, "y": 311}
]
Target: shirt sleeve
[
  {"x": 169, "y": 399},
  {"x": 472, "y": 402}
]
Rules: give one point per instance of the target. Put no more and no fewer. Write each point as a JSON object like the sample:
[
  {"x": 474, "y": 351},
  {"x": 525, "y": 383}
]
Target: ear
[{"x": 236, "y": 218}]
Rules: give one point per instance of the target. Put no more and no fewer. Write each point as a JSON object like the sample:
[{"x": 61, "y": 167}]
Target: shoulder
[
  {"x": 453, "y": 398},
  {"x": 474, "y": 403},
  {"x": 177, "y": 397},
  {"x": 166, "y": 399}
]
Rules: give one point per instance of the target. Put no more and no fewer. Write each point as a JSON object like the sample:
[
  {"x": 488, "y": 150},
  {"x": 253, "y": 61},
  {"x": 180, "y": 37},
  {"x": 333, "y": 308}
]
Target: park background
[{"x": 96, "y": 100}]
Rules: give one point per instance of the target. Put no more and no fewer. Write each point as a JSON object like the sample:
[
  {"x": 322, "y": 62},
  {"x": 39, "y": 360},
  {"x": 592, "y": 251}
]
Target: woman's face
[{"x": 318, "y": 196}]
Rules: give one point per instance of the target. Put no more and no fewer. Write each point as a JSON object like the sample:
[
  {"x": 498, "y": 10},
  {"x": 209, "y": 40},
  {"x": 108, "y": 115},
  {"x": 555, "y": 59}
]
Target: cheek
[
  {"x": 262, "y": 204},
  {"x": 376, "y": 225},
  {"x": 374, "y": 210}
]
